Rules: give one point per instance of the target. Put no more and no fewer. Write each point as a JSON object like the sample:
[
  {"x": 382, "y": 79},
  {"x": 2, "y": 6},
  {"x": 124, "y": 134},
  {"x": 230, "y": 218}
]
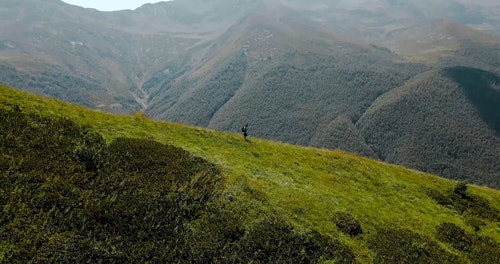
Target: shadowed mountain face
[
  {"x": 483, "y": 91},
  {"x": 437, "y": 122},
  {"x": 315, "y": 73}
]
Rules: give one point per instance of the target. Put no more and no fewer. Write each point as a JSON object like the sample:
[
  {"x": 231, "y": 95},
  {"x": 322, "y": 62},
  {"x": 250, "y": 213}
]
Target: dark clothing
[{"x": 245, "y": 131}]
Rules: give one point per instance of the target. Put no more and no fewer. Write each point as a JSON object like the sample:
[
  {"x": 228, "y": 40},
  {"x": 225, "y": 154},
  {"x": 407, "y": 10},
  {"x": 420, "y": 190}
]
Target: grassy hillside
[{"x": 265, "y": 201}]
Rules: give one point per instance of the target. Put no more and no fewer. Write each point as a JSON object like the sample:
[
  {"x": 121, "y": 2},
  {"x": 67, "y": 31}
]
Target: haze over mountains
[{"x": 410, "y": 82}]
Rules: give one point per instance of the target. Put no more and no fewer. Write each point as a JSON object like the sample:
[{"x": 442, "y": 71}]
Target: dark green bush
[
  {"x": 454, "y": 235},
  {"x": 439, "y": 197},
  {"x": 347, "y": 224},
  {"x": 465, "y": 203},
  {"x": 405, "y": 246},
  {"x": 479, "y": 249},
  {"x": 461, "y": 189},
  {"x": 215, "y": 236},
  {"x": 485, "y": 251},
  {"x": 274, "y": 241},
  {"x": 75, "y": 199},
  {"x": 474, "y": 222},
  {"x": 474, "y": 205}
]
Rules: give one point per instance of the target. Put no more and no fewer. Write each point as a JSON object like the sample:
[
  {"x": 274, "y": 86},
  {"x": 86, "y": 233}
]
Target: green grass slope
[{"x": 265, "y": 202}]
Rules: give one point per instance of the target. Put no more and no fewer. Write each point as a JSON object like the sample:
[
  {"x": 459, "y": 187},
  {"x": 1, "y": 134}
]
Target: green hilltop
[{"x": 79, "y": 185}]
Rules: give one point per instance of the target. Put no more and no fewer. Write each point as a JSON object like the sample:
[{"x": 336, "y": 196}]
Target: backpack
[{"x": 243, "y": 129}]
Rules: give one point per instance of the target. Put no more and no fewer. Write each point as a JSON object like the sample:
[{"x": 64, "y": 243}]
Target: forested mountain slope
[
  {"x": 288, "y": 88},
  {"x": 78, "y": 185},
  {"x": 446, "y": 122}
]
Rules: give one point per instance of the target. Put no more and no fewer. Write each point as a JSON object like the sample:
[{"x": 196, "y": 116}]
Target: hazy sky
[{"x": 110, "y": 5}]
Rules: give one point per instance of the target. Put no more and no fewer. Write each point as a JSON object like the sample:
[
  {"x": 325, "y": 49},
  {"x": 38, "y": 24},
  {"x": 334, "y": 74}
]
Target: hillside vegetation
[{"x": 78, "y": 185}]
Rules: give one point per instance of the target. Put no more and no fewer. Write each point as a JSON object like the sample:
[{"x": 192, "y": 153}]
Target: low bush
[
  {"x": 479, "y": 249},
  {"x": 405, "y": 246},
  {"x": 465, "y": 203},
  {"x": 75, "y": 199},
  {"x": 439, "y": 197},
  {"x": 474, "y": 222},
  {"x": 455, "y": 236},
  {"x": 485, "y": 251},
  {"x": 274, "y": 241},
  {"x": 461, "y": 189},
  {"x": 347, "y": 223}
]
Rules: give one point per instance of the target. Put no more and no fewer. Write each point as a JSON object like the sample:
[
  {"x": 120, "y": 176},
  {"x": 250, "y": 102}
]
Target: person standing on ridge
[{"x": 244, "y": 129}]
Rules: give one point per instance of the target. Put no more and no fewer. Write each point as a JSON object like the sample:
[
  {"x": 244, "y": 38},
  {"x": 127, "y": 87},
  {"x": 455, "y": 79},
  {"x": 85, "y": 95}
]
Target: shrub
[
  {"x": 220, "y": 237},
  {"x": 347, "y": 224},
  {"x": 465, "y": 203},
  {"x": 405, "y": 246},
  {"x": 485, "y": 251},
  {"x": 454, "y": 235},
  {"x": 474, "y": 222},
  {"x": 475, "y": 205},
  {"x": 274, "y": 241},
  {"x": 461, "y": 189},
  {"x": 76, "y": 199},
  {"x": 440, "y": 198},
  {"x": 215, "y": 236}
]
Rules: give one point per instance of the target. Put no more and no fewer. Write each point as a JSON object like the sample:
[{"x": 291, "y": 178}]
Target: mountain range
[{"x": 414, "y": 83}]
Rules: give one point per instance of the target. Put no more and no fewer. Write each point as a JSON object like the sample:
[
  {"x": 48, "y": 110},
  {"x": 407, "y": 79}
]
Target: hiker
[{"x": 245, "y": 130}]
